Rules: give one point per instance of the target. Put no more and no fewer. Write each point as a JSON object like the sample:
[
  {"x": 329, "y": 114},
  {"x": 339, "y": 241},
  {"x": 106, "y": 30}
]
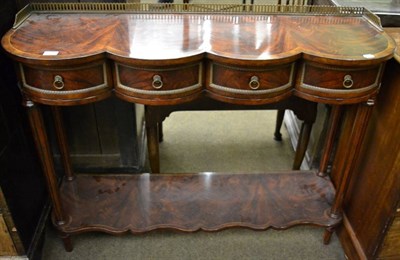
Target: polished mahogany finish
[
  {"x": 151, "y": 86},
  {"x": 272, "y": 38},
  {"x": 171, "y": 57},
  {"x": 253, "y": 85},
  {"x": 339, "y": 84},
  {"x": 191, "y": 202},
  {"x": 181, "y": 41},
  {"x": 81, "y": 84}
]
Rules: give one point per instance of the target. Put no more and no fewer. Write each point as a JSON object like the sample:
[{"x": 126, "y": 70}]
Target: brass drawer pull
[
  {"x": 58, "y": 82},
  {"x": 157, "y": 82},
  {"x": 254, "y": 82},
  {"x": 347, "y": 81}
]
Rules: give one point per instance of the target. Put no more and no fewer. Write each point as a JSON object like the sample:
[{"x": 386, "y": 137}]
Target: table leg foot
[
  {"x": 278, "y": 125},
  {"x": 327, "y": 235},
  {"x": 67, "y": 241}
]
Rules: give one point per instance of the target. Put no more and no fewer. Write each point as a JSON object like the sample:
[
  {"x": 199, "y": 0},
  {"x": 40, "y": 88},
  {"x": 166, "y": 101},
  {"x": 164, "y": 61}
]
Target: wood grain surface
[
  {"x": 231, "y": 50},
  {"x": 190, "y": 202},
  {"x": 144, "y": 37}
]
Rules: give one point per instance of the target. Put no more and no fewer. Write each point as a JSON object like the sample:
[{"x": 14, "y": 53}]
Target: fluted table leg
[
  {"x": 46, "y": 159},
  {"x": 358, "y": 130},
  {"x": 330, "y": 139},
  {"x": 152, "y": 142},
  {"x": 62, "y": 142}
]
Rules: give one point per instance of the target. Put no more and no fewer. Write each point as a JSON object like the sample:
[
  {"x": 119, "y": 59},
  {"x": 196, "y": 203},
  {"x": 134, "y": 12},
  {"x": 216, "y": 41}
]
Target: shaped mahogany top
[{"x": 328, "y": 39}]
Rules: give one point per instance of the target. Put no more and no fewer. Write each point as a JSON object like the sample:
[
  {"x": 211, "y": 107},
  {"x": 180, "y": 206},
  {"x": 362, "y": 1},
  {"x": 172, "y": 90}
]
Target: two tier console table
[{"x": 69, "y": 54}]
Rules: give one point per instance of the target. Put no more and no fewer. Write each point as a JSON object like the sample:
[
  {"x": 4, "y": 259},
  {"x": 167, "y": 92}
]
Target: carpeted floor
[{"x": 239, "y": 141}]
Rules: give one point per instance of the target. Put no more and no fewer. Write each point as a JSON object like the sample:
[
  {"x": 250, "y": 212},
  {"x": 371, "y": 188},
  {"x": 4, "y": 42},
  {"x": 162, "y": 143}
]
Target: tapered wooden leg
[
  {"x": 328, "y": 234},
  {"x": 278, "y": 125},
  {"x": 67, "y": 241},
  {"x": 152, "y": 142},
  {"x": 329, "y": 139},
  {"x": 302, "y": 145},
  {"x": 46, "y": 159},
  {"x": 62, "y": 142},
  {"x": 160, "y": 132},
  {"x": 357, "y": 135},
  {"x": 358, "y": 129}
]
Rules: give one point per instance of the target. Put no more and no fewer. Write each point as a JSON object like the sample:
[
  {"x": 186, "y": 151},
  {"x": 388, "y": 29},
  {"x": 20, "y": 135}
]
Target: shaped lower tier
[{"x": 190, "y": 202}]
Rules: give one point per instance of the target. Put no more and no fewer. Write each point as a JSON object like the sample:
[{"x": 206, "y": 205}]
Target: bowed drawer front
[
  {"x": 264, "y": 83},
  {"x": 347, "y": 85},
  {"x": 64, "y": 86},
  {"x": 149, "y": 85}
]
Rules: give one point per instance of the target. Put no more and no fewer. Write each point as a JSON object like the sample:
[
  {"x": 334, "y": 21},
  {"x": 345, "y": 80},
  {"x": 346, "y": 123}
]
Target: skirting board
[{"x": 348, "y": 239}]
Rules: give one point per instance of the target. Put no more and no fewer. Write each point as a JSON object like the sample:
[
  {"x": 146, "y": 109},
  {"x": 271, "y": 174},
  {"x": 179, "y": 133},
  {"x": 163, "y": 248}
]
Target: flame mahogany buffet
[{"x": 75, "y": 54}]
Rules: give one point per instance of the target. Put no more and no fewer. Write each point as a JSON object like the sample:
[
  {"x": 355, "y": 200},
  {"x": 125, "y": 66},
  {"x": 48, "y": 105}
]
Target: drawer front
[
  {"x": 158, "y": 86},
  {"x": 249, "y": 85},
  {"x": 338, "y": 83},
  {"x": 66, "y": 86}
]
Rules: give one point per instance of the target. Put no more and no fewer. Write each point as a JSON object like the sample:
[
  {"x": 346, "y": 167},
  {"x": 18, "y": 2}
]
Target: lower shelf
[{"x": 191, "y": 202}]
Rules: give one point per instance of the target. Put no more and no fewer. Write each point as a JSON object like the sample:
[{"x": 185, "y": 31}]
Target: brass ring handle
[
  {"x": 58, "y": 82},
  {"x": 254, "y": 82},
  {"x": 347, "y": 81},
  {"x": 157, "y": 82}
]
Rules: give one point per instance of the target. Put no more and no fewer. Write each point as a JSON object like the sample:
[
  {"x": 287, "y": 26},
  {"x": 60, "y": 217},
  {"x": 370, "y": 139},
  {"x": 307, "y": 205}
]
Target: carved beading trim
[
  {"x": 160, "y": 92},
  {"x": 64, "y": 92},
  {"x": 340, "y": 91},
  {"x": 251, "y": 92},
  {"x": 54, "y": 92}
]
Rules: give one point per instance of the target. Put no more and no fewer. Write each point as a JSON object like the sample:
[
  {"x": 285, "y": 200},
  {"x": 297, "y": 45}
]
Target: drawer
[
  {"x": 339, "y": 84},
  {"x": 66, "y": 86},
  {"x": 158, "y": 86},
  {"x": 251, "y": 85}
]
